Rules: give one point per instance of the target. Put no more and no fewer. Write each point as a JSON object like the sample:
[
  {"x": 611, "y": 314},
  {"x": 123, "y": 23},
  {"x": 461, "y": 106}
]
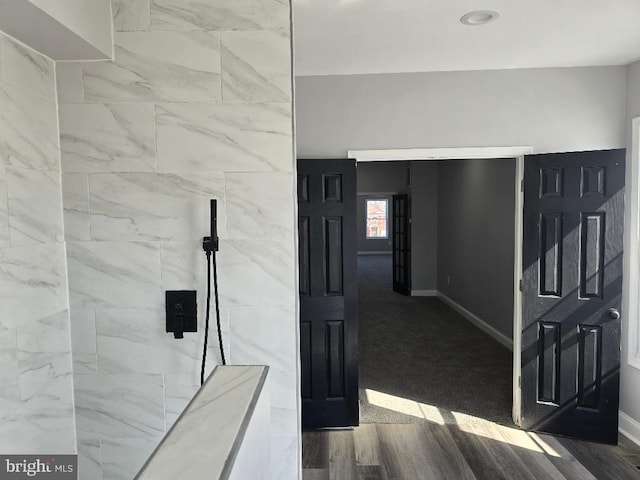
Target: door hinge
[
  {"x": 520, "y": 284},
  {"x": 519, "y": 382},
  {"x": 522, "y": 186}
]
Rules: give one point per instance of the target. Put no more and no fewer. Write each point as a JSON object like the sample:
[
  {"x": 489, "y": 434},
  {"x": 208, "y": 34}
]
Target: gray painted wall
[
  {"x": 376, "y": 177},
  {"x": 630, "y": 376},
  {"x": 551, "y": 109},
  {"x": 476, "y": 238},
  {"x": 424, "y": 219},
  {"x": 378, "y": 180}
]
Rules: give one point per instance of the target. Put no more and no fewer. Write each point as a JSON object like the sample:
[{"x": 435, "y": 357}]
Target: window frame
[
  {"x": 366, "y": 218},
  {"x": 631, "y": 273}
]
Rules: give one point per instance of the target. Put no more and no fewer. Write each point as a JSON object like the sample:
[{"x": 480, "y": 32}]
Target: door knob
[{"x": 614, "y": 314}]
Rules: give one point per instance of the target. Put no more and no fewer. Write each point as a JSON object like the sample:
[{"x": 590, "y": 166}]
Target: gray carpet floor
[{"x": 420, "y": 361}]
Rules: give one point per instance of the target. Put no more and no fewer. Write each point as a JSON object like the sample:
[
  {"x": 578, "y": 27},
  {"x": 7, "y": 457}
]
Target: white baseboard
[
  {"x": 477, "y": 321},
  {"x": 424, "y": 293},
  {"x": 381, "y": 252},
  {"x": 629, "y": 427}
]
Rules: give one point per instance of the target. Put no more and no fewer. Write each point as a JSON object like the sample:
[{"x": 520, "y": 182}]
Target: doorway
[{"x": 421, "y": 356}]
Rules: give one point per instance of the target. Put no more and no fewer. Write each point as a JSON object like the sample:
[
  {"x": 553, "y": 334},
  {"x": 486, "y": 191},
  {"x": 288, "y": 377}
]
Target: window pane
[{"x": 376, "y": 218}]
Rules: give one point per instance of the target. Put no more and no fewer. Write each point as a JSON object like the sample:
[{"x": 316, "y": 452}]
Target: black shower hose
[{"x": 208, "y": 312}]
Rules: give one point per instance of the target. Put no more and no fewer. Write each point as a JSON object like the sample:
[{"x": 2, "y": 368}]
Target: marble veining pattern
[
  {"x": 221, "y": 406},
  {"x": 89, "y": 459},
  {"x": 119, "y": 406},
  {"x": 25, "y": 69},
  {"x": 157, "y": 66},
  {"x": 253, "y": 341},
  {"x": 29, "y": 126},
  {"x": 113, "y": 274},
  {"x": 284, "y": 457},
  {"x": 83, "y": 341},
  {"x": 135, "y": 341},
  {"x": 219, "y": 15},
  {"x": 9, "y": 389},
  {"x": 69, "y": 85},
  {"x": 39, "y": 370},
  {"x": 256, "y": 66},
  {"x": 122, "y": 458},
  {"x": 42, "y": 423},
  {"x": 259, "y": 205},
  {"x": 75, "y": 200},
  {"x": 147, "y": 140},
  {"x": 256, "y": 272},
  {"x": 224, "y": 137},
  {"x": 4, "y": 209},
  {"x": 35, "y": 206},
  {"x": 107, "y": 137},
  {"x": 36, "y": 395},
  {"x": 179, "y": 389},
  {"x": 154, "y": 206},
  {"x": 49, "y": 334},
  {"x": 130, "y": 15},
  {"x": 35, "y": 276}
]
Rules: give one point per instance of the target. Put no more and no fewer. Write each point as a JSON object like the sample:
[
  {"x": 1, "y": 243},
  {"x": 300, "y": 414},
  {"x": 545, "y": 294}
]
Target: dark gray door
[
  {"x": 400, "y": 242},
  {"x": 328, "y": 292},
  {"x": 572, "y": 285}
]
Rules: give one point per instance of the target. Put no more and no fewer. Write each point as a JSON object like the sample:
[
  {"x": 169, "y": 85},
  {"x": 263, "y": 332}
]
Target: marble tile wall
[
  {"x": 36, "y": 384},
  {"x": 196, "y": 105}
]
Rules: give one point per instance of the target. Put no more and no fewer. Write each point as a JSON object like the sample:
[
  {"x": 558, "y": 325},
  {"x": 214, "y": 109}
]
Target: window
[{"x": 377, "y": 218}]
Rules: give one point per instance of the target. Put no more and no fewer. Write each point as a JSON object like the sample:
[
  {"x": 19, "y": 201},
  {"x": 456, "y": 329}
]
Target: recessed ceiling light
[{"x": 479, "y": 17}]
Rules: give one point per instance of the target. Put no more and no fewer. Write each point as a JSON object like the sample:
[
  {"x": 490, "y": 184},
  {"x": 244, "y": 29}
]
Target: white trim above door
[{"x": 456, "y": 153}]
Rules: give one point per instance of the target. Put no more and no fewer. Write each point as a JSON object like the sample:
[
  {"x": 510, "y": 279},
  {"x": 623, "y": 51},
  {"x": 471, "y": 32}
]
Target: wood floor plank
[
  {"x": 531, "y": 454},
  {"x": 371, "y": 472},
  {"x": 367, "y": 446},
  {"x": 342, "y": 457},
  {"x": 501, "y": 452},
  {"x": 601, "y": 460},
  {"x": 315, "y": 449},
  {"x": 315, "y": 474},
  {"x": 460, "y": 452},
  {"x": 562, "y": 458},
  {"x": 448, "y": 458},
  {"x": 475, "y": 454},
  {"x": 402, "y": 449}
]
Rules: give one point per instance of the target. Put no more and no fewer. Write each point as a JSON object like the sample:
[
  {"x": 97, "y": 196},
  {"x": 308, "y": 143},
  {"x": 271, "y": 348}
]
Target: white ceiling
[{"x": 339, "y": 37}]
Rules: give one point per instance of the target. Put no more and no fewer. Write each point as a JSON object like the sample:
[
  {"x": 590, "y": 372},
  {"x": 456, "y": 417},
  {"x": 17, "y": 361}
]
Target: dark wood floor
[{"x": 469, "y": 451}]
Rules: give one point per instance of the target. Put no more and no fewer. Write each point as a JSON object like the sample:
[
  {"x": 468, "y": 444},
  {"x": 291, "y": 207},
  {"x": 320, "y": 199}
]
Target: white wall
[
  {"x": 36, "y": 392},
  {"x": 196, "y": 104},
  {"x": 89, "y": 19},
  {"x": 630, "y": 379},
  {"x": 61, "y": 29},
  {"x": 560, "y": 109}
]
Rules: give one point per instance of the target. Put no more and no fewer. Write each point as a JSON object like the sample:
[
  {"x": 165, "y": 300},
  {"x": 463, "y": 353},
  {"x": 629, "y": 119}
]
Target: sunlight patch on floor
[
  {"x": 467, "y": 423},
  {"x": 431, "y": 413}
]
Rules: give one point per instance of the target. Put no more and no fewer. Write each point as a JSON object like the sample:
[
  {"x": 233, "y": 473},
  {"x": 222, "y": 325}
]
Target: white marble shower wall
[
  {"x": 196, "y": 105},
  {"x": 36, "y": 386}
]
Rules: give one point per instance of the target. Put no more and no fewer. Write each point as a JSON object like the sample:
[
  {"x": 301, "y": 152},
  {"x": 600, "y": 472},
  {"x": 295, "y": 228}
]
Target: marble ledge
[{"x": 210, "y": 432}]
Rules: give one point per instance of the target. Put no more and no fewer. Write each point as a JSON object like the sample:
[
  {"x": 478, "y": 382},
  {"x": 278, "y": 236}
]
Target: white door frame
[{"x": 467, "y": 153}]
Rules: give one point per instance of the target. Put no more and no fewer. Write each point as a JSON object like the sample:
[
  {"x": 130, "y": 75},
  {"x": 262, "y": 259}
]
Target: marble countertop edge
[{"x": 168, "y": 450}]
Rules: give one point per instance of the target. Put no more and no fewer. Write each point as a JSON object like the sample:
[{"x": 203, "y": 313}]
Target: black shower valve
[{"x": 181, "y": 309}]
